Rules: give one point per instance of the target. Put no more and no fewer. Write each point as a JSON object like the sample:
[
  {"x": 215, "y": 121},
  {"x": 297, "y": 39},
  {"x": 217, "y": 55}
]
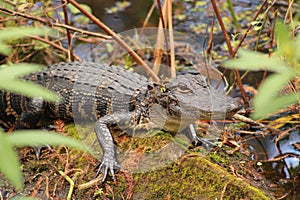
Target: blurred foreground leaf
[
  {"x": 9, "y": 163},
  {"x": 254, "y": 61},
  {"x": 10, "y": 80},
  {"x": 23, "y": 138},
  {"x": 284, "y": 62},
  {"x": 16, "y": 33}
]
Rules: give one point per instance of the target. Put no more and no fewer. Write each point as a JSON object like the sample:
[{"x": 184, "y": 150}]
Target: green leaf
[
  {"x": 271, "y": 86},
  {"x": 284, "y": 40},
  {"x": 9, "y": 164},
  {"x": 297, "y": 53},
  {"x": 15, "y": 33},
  {"x": 20, "y": 32},
  {"x": 268, "y": 100},
  {"x": 4, "y": 49},
  {"x": 250, "y": 60},
  {"x": 36, "y": 137},
  {"x": 274, "y": 105},
  {"x": 9, "y": 77},
  {"x": 18, "y": 70}
]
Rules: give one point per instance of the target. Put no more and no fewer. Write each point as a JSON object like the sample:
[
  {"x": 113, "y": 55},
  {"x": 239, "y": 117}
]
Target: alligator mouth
[{"x": 211, "y": 115}]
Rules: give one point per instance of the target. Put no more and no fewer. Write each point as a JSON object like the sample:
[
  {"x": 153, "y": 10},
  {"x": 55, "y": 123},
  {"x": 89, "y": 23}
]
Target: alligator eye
[{"x": 182, "y": 88}]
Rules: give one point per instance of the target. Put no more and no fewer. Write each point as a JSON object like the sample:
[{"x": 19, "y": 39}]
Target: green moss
[{"x": 193, "y": 178}]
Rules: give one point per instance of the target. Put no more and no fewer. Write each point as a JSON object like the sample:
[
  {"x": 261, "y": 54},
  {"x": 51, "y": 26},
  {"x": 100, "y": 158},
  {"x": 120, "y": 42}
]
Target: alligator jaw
[{"x": 197, "y": 98}]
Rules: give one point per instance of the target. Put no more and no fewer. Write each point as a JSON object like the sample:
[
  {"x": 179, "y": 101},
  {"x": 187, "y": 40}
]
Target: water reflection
[{"x": 266, "y": 149}]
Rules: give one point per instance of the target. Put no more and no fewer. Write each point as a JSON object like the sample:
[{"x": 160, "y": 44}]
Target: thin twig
[
  {"x": 106, "y": 37},
  {"x": 161, "y": 13},
  {"x": 171, "y": 37},
  {"x": 117, "y": 39},
  {"x": 70, "y": 47},
  {"x": 149, "y": 15},
  {"x": 210, "y": 41},
  {"x": 46, "y": 22},
  {"x": 53, "y": 44},
  {"x": 89, "y": 184},
  {"x": 249, "y": 27},
  {"x": 230, "y": 50},
  {"x": 161, "y": 38}
]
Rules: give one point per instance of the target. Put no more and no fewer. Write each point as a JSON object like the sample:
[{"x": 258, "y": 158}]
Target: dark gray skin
[{"x": 110, "y": 95}]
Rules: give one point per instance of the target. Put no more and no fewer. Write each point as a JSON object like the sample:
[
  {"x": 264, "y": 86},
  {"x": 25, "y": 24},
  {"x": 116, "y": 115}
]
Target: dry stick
[
  {"x": 208, "y": 51},
  {"x": 224, "y": 189},
  {"x": 210, "y": 41},
  {"x": 238, "y": 78},
  {"x": 162, "y": 14},
  {"x": 106, "y": 37},
  {"x": 161, "y": 37},
  {"x": 246, "y": 33},
  {"x": 117, "y": 38},
  {"x": 172, "y": 46},
  {"x": 263, "y": 23},
  {"x": 149, "y": 15},
  {"x": 147, "y": 18},
  {"x": 27, "y": 16},
  {"x": 249, "y": 27},
  {"x": 16, "y": 13},
  {"x": 289, "y": 13},
  {"x": 70, "y": 47},
  {"x": 54, "y": 45},
  {"x": 10, "y": 2}
]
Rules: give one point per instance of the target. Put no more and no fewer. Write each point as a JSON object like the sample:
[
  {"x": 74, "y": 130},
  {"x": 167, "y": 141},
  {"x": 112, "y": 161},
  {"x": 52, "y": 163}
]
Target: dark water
[{"x": 132, "y": 17}]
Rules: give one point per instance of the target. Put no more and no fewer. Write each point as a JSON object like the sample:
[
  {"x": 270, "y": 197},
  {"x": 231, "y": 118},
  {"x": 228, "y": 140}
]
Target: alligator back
[{"x": 87, "y": 90}]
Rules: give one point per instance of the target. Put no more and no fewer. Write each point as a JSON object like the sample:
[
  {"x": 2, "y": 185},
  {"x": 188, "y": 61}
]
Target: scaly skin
[{"x": 111, "y": 95}]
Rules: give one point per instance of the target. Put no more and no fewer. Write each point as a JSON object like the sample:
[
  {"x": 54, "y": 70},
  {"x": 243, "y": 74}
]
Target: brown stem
[
  {"x": 172, "y": 45},
  {"x": 230, "y": 50},
  {"x": 54, "y": 45},
  {"x": 70, "y": 47},
  {"x": 44, "y": 21},
  {"x": 161, "y": 13},
  {"x": 249, "y": 27},
  {"x": 149, "y": 15},
  {"x": 117, "y": 38},
  {"x": 161, "y": 37},
  {"x": 210, "y": 41}
]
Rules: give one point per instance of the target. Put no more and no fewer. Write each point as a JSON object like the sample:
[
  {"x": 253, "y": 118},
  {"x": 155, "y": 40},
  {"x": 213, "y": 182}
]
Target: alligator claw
[
  {"x": 197, "y": 141},
  {"x": 38, "y": 149},
  {"x": 207, "y": 143},
  {"x": 107, "y": 165}
]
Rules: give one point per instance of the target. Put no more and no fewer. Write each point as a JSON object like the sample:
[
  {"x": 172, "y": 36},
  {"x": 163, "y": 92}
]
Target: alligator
[{"x": 111, "y": 95}]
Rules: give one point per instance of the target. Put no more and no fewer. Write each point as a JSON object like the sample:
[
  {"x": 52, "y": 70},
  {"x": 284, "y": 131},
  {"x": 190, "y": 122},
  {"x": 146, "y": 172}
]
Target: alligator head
[{"x": 187, "y": 98}]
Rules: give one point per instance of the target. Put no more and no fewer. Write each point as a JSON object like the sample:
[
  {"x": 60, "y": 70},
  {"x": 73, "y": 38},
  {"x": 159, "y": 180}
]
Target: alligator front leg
[
  {"x": 109, "y": 161},
  {"x": 190, "y": 132}
]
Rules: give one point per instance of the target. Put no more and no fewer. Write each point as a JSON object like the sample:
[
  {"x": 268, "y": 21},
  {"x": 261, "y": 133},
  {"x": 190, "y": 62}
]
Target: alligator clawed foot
[
  {"x": 107, "y": 165},
  {"x": 197, "y": 141},
  {"x": 206, "y": 143},
  {"x": 38, "y": 149}
]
